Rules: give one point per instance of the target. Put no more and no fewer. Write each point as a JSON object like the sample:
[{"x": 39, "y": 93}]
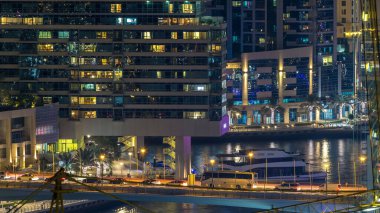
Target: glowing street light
[
  {"x": 212, "y": 162},
  {"x": 362, "y": 159},
  {"x": 250, "y": 155},
  {"x": 130, "y": 162},
  {"x": 102, "y": 157}
]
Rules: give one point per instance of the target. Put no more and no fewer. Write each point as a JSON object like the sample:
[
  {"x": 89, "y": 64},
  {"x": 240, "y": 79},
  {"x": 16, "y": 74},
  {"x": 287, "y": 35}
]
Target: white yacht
[{"x": 280, "y": 165}]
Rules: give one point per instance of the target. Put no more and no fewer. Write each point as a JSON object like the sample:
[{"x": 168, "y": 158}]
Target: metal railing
[{"x": 355, "y": 202}]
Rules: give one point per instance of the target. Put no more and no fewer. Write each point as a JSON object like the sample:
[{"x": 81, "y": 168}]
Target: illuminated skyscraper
[{"x": 114, "y": 65}]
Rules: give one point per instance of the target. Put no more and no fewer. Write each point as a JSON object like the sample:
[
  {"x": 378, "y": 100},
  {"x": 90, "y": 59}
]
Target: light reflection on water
[{"x": 316, "y": 152}]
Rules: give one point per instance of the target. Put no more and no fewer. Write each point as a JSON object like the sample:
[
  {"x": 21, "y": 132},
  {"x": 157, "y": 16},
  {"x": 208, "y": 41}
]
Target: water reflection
[{"x": 316, "y": 152}]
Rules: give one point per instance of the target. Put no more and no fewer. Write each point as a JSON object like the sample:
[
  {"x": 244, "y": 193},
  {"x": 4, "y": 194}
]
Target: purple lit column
[{"x": 182, "y": 157}]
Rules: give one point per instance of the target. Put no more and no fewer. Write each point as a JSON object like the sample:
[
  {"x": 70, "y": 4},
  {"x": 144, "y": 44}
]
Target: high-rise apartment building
[
  {"x": 285, "y": 24},
  {"x": 115, "y": 60},
  {"x": 118, "y": 68}
]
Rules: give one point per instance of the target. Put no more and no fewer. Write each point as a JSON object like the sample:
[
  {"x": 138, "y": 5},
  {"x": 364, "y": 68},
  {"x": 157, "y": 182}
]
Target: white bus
[{"x": 229, "y": 179}]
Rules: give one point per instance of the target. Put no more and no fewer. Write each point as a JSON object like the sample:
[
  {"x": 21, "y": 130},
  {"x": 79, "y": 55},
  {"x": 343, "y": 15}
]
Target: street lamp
[
  {"x": 130, "y": 163},
  {"x": 212, "y": 162},
  {"x": 142, "y": 151},
  {"x": 102, "y": 157},
  {"x": 362, "y": 161},
  {"x": 250, "y": 155}
]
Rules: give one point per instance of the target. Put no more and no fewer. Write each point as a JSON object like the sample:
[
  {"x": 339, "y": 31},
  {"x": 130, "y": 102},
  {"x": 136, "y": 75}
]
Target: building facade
[
  {"x": 118, "y": 68},
  {"x": 260, "y": 25},
  {"x": 25, "y": 133},
  {"x": 275, "y": 84}
]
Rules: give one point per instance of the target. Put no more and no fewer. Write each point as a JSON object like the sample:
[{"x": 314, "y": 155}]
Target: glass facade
[
  {"x": 370, "y": 31},
  {"x": 107, "y": 59}
]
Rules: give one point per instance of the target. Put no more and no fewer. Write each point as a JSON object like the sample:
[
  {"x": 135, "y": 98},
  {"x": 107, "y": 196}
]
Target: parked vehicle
[
  {"x": 151, "y": 182},
  {"x": 177, "y": 183},
  {"x": 91, "y": 180},
  {"x": 229, "y": 179},
  {"x": 288, "y": 187},
  {"x": 2, "y": 175},
  {"x": 117, "y": 181},
  {"x": 330, "y": 187},
  {"x": 27, "y": 177}
]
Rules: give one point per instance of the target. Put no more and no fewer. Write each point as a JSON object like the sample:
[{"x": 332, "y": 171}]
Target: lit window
[
  {"x": 74, "y": 114},
  {"x": 63, "y": 34},
  {"x": 74, "y": 61},
  {"x": 261, "y": 40},
  {"x": 118, "y": 74},
  {"x": 327, "y": 60},
  {"x": 87, "y": 100},
  {"x": 104, "y": 61},
  {"x": 102, "y": 35},
  {"x": 44, "y": 34},
  {"x": 158, "y": 48},
  {"x": 33, "y": 21},
  {"x": 215, "y": 48},
  {"x": 170, "y": 8},
  {"x": 74, "y": 100},
  {"x": 187, "y": 8},
  {"x": 236, "y": 3},
  {"x": 131, "y": 21},
  {"x": 174, "y": 35},
  {"x": 45, "y": 47},
  {"x": 88, "y": 48},
  {"x": 115, "y": 8},
  {"x": 9, "y": 20},
  {"x": 194, "y": 35},
  {"x": 89, "y": 114},
  {"x": 47, "y": 100},
  {"x": 147, "y": 35}
]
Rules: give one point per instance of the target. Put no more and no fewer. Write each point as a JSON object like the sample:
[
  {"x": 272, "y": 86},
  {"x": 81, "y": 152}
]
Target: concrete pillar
[
  {"x": 317, "y": 114},
  {"x": 249, "y": 117},
  {"x": 140, "y": 141},
  {"x": 286, "y": 115},
  {"x": 182, "y": 157}
]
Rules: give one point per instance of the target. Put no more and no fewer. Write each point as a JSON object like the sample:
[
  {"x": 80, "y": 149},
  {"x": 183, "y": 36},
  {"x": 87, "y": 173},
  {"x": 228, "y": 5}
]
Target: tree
[
  {"x": 85, "y": 157},
  {"x": 66, "y": 159},
  {"x": 312, "y": 103},
  {"x": 5, "y": 98},
  {"x": 272, "y": 107},
  {"x": 339, "y": 101}
]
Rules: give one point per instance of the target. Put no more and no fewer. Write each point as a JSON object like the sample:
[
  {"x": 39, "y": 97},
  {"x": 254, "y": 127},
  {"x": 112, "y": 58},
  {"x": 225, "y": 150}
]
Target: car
[
  {"x": 330, "y": 187},
  {"x": 91, "y": 180},
  {"x": 2, "y": 175},
  {"x": 117, "y": 181},
  {"x": 288, "y": 187},
  {"x": 151, "y": 181},
  {"x": 27, "y": 177},
  {"x": 177, "y": 183}
]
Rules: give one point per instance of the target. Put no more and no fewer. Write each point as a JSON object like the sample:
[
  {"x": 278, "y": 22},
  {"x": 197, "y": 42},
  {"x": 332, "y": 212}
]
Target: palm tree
[
  {"x": 312, "y": 103},
  {"x": 85, "y": 157},
  {"x": 272, "y": 107},
  {"x": 339, "y": 101},
  {"x": 67, "y": 159}
]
